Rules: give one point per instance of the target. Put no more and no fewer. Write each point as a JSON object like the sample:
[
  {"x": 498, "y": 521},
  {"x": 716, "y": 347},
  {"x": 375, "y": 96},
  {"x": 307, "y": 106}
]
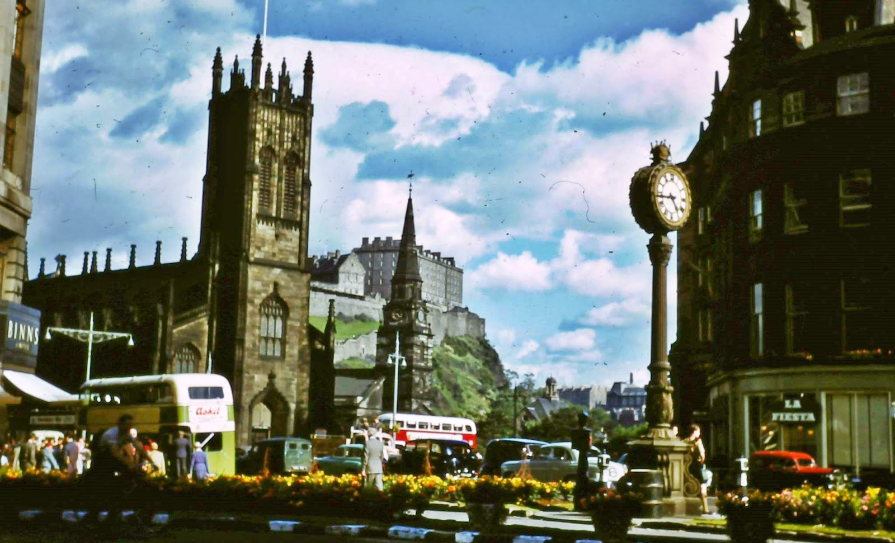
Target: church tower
[
  {"x": 254, "y": 231},
  {"x": 406, "y": 324}
]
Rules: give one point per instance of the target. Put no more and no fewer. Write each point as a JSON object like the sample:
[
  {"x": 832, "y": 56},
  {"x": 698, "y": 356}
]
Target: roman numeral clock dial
[
  {"x": 660, "y": 194},
  {"x": 672, "y": 198}
]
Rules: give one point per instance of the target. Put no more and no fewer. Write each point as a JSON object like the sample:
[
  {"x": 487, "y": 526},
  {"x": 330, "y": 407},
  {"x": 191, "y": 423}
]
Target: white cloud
[
  {"x": 582, "y": 339},
  {"x": 529, "y": 346},
  {"x": 623, "y": 313},
  {"x": 54, "y": 60},
  {"x": 519, "y": 272}
]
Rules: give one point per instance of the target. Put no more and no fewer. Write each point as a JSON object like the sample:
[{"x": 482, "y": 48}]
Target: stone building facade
[
  {"x": 240, "y": 306},
  {"x": 785, "y": 305},
  {"x": 442, "y": 279}
]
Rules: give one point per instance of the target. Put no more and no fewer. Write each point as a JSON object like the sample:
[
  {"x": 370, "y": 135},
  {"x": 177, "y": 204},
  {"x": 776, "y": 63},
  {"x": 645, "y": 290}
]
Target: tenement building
[
  {"x": 442, "y": 279},
  {"x": 239, "y": 306},
  {"x": 785, "y": 303}
]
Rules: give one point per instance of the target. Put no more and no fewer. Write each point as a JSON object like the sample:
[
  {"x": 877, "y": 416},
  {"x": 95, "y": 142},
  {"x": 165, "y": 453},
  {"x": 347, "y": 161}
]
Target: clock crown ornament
[{"x": 660, "y": 194}]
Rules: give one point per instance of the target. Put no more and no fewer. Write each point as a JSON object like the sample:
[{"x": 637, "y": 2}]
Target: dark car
[
  {"x": 503, "y": 450},
  {"x": 776, "y": 470},
  {"x": 346, "y": 459},
  {"x": 279, "y": 456},
  {"x": 446, "y": 458}
]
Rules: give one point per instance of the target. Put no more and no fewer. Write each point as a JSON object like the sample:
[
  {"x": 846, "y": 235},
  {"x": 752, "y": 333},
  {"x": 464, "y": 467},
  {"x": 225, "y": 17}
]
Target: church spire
[{"x": 407, "y": 268}]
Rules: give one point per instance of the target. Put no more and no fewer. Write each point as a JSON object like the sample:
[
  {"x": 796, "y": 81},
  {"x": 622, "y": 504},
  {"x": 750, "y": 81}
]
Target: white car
[{"x": 559, "y": 462}]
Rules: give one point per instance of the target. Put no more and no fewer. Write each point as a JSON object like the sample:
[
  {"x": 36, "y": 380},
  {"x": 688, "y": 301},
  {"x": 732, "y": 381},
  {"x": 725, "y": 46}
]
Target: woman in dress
[{"x": 697, "y": 465}]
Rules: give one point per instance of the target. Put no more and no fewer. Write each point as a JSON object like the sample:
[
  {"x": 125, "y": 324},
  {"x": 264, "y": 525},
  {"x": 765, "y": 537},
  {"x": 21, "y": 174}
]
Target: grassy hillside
[
  {"x": 346, "y": 329},
  {"x": 467, "y": 373}
]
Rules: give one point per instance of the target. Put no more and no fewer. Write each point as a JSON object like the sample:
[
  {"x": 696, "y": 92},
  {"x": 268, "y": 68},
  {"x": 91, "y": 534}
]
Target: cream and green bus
[{"x": 198, "y": 404}]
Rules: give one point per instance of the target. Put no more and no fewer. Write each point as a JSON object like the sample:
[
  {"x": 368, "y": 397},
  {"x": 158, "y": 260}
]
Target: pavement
[{"x": 446, "y": 524}]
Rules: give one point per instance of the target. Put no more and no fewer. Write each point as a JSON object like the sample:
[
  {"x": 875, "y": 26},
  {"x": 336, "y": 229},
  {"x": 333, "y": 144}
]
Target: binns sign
[{"x": 22, "y": 334}]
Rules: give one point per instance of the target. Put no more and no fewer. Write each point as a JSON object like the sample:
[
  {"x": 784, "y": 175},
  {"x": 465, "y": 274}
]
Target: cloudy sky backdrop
[{"x": 523, "y": 122}]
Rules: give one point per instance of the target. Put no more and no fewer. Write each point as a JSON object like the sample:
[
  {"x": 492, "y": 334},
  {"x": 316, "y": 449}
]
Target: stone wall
[
  {"x": 347, "y": 304},
  {"x": 358, "y": 347}
]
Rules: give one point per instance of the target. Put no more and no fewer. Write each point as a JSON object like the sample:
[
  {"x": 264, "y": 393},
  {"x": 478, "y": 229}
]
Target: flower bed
[
  {"x": 316, "y": 493},
  {"x": 838, "y": 507}
]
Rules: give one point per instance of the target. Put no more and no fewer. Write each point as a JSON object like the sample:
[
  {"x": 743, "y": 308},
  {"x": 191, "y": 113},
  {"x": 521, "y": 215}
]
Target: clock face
[
  {"x": 672, "y": 199},
  {"x": 421, "y": 315}
]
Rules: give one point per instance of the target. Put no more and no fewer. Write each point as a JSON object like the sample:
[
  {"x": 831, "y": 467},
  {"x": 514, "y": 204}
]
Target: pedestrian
[
  {"x": 58, "y": 451},
  {"x": 15, "y": 463},
  {"x": 135, "y": 455},
  {"x": 581, "y": 442},
  {"x": 374, "y": 457},
  {"x": 157, "y": 458},
  {"x": 181, "y": 455},
  {"x": 29, "y": 453},
  {"x": 83, "y": 461},
  {"x": 4, "y": 456},
  {"x": 48, "y": 460},
  {"x": 71, "y": 453},
  {"x": 199, "y": 464},
  {"x": 697, "y": 465}
]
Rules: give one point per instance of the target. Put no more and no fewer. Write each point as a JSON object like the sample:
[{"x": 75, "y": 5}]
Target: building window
[
  {"x": 857, "y": 320},
  {"x": 700, "y": 222},
  {"x": 755, "y": 119},
  {"x": 853, "y": 94},
  {"x": 704, "y": 274},
  {"x": 705, "y": 325},
  {"x": 290, "y": 188},
  {"x": 858, "y": 431},
  {"x": 794, "y": 108},
  {"x": 796, "y": 317},
  {"x": 757, "y": 322},
  {"x": 755, "y": 215},
  {"x": 10, "y": 147},
  {"x": 854, "y": 198},
  {"x": 187, "y": 359},
  {"x": 264, "y": 180},
  {"x": 19, "y": 38},
  {"x": 851, "y": 23},
  {"x": 273, "y": 319},
  {"x": 794, "y": 221}
]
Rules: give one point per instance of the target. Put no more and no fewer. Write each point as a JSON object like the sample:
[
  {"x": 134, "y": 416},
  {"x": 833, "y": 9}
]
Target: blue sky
[{"x": 523, "y": 122}]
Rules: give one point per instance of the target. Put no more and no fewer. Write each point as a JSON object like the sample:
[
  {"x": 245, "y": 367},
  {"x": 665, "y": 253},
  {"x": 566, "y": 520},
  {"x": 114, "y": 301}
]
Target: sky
[{"x": 523, "y": 122}]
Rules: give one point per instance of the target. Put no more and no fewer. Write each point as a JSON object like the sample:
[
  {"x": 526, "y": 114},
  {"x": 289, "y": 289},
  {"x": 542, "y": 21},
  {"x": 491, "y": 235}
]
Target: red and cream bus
[{"x": 412, "y": 427}]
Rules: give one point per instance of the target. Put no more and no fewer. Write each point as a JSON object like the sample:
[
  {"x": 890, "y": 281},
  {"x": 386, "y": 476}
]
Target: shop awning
[{"x": 35, "y": 387}]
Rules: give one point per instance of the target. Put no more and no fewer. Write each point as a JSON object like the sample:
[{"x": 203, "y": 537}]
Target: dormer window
[{"x": 851, "y": 23}]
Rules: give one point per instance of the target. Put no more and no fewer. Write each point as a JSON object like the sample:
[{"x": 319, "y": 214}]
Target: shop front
[
  {"x": 843, "y": 416},
  {"x": 22, "y": 393}
]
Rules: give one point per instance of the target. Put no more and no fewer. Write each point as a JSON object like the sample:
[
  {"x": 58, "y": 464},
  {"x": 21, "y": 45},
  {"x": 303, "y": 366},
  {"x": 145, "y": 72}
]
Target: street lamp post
[
  {"x": 90, "y": 336},
  {"x": 398, "y": 361},
  {"x": 515, "y": 412}
]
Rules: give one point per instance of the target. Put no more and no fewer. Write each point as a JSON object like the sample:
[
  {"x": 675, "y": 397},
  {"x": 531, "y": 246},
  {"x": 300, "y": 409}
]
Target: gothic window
[
  {"x": 264, "y": 181},
  {"x": 187, "y": 359},
  {"x": 851, "y": 23},
  {"x": 273, "y": 326},
  {"x": 290, "y": 189}
]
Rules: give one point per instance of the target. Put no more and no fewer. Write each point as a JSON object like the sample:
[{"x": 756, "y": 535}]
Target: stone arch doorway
[{"x": 269, "y": 412}]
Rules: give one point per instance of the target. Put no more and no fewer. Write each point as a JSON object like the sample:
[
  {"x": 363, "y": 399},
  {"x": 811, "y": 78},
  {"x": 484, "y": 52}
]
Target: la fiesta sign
[{"x": 795, "y": 410}]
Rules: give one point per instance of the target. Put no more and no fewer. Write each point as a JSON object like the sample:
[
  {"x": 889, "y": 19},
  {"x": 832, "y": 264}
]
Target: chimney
[
  {"x": 93, "y": 268},
  {"x": 60, "y": 265},
  {"x": 632, "y": 378},
  {"x": 84, "y": 268},
  {"x": 108, "y": 259},
  {"x": 133, "y": 261},
  {"x": 158, "y": 253},
  {"x": 183, "y": 250},
  {"x": 41, "y": 273}
]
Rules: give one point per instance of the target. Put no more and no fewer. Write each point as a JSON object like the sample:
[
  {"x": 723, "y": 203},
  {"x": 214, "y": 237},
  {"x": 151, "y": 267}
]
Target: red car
[{"x": 775, "y": 470}]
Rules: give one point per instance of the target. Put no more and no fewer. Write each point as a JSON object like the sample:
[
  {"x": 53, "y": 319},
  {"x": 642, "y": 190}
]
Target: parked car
[
  {"x": 776, "y": 470},
  {"x": 346, "y": 459},
  {"x": 505, "y": 449},
  {"x": 280, "y": 455},
  {"x": 559, "y": 462},
  {"x": 447, "y": 458}
]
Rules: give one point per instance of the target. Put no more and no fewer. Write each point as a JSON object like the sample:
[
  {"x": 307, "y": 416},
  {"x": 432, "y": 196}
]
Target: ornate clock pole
[{"x": 660, "y": 203}]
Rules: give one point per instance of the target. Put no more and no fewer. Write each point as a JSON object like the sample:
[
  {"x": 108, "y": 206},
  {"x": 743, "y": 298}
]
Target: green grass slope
[
  {"x": 346, "y": 330},
  {"x": 467, "y": 372}
]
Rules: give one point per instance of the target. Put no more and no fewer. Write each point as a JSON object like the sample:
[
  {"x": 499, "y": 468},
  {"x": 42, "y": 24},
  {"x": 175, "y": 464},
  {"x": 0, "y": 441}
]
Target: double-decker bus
[
  {"x": 412, "y": 427},
  {"x": 198, "y": 404}
]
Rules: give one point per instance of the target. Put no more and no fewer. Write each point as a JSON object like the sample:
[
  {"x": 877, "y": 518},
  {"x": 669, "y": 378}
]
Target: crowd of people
[{"x": 121, "y": 444}]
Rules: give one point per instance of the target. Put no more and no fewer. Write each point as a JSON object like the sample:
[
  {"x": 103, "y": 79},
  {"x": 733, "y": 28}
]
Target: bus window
[
  {"x": 458, "y": 427},
  {"x": 411, "y": 424},
  {"x": 424, "y": 426},
  {"x": 446, "y": 427},
  {"x": 400, "y": 424},
  {"x": 206, "y": 393},
  {"x": 468, "y": 428},
  {"x": 216, "y": 443}
]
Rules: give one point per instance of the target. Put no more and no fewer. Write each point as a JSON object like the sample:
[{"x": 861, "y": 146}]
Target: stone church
[{"x": 239, "y": 306}]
